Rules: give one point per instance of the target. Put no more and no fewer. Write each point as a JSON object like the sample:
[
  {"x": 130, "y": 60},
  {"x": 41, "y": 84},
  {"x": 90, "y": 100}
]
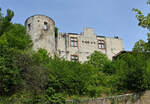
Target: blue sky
[{"x": 108, "y": 17}]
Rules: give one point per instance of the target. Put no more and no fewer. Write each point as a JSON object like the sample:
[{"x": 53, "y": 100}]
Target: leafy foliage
[
  {"x": 132, "y": 72},
  {"x": 5, "y": 21},
  {"x": 29, "y": 77},
  {"x": 139, "y": 46},
  {"x": 17, "y": 37},
  {"x": 9, "y": 74}
]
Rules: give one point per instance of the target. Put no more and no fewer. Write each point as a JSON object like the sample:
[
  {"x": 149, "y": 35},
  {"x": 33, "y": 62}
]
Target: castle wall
[
  {"x": 136, "y": 98},
  {"x": 70, "y": 46},
  {"x": 42, "y": 31},
  {"x": 87, "y": 43},
  {"x": 63, "y": 46},
  {"x": 113, "y": 46}
]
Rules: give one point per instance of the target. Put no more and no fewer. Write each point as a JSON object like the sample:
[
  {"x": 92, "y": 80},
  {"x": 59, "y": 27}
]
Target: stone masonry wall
[
  {"x": 87, "y": 43},
  {"x": 42, "y": 31},
  {"x": 138, "y": 98}
]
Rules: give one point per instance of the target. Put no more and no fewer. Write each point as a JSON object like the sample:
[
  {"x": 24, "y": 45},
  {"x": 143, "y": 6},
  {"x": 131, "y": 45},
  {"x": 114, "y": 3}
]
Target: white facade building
[{"x": 70, "y": 46}]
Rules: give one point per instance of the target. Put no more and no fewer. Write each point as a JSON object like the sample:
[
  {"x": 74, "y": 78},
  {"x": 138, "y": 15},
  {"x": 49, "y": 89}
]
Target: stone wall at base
[{"x": 138, "y": 98}]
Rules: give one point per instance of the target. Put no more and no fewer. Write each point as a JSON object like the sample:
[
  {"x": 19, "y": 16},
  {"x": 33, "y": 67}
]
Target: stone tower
[{"x": 42, "y": 31}]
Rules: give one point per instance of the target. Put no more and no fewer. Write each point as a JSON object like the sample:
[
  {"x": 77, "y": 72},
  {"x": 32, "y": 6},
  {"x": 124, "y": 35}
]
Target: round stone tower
[{"x": 42, "y": 31}]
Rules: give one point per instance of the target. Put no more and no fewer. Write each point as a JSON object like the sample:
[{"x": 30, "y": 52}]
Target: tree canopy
[{"x": 33, "y": 77}]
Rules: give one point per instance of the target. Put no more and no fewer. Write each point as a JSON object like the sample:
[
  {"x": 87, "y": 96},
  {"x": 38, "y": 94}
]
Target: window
[
  {"x": 74, "y": 58},
  {"x": 29, "y": 26},
  {"x": 45, "y": 26},
  {"x": 101, "y": 44},
  {"x": 74, "y": 42},
  {"x": 87, "y": 42}
]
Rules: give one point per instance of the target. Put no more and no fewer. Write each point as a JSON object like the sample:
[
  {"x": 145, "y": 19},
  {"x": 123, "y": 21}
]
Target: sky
[{"x": 107, "y": 17}]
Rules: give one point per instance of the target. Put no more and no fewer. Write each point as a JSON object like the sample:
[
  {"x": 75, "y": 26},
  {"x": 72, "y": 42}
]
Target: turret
[{"x": 42, "y": 31}]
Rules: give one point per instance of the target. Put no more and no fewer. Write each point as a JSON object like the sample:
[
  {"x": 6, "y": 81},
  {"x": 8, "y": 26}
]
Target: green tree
[
  {"x": 144, "y": 22},
  {"x": 5, "y": 21},
  {"x": 101, "y": 62},
  {"x": 13, "y": 38},
  {"x": 140, "y": 46},
  {"x": 9, "y": 73},
  {"x": 103, "y": 77},
  {"x": 97, "y": 59},
  {"x": 131, "y": 72},
  {"x": 17, "y": 38}
]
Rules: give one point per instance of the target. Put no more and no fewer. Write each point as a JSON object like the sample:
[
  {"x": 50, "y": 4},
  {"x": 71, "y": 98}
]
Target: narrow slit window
[{"x": 29, "y": 26}]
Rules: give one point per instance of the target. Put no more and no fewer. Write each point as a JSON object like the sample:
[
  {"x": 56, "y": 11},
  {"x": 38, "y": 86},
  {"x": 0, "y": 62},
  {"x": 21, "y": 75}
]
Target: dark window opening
[
  {"x": 74, "y": 58},
  {"x": 87, "y": 42},
  {"x": 45, "y": 26},
  {"x": 101, "y": 44},
  {"x": 29, "y": 26}
]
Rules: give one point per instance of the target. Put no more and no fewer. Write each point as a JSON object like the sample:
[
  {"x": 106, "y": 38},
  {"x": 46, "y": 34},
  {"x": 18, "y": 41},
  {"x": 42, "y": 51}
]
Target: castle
[{"x": 70, "y": 46}]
